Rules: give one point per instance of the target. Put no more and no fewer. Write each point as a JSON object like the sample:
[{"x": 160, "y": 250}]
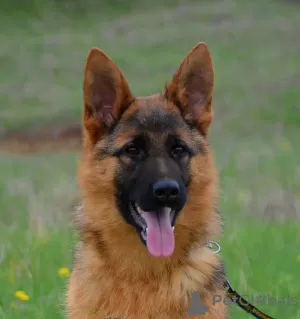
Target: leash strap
[{"x": 244, "y": 304}]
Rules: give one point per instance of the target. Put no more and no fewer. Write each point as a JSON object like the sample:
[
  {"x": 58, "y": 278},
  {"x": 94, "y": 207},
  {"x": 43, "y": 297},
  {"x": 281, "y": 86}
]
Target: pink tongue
[{"x": 160, "y": 236}]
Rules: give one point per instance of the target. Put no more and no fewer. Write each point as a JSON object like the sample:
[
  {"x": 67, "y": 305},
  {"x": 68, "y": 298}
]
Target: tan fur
[{"x": 114, "y": 276}]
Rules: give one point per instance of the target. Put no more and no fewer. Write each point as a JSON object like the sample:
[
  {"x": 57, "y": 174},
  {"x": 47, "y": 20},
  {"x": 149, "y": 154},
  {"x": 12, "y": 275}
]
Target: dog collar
[{"x": 211, "y": 244}]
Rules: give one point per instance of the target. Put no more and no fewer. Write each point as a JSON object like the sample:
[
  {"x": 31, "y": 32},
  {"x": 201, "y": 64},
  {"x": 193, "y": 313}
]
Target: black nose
[{"x": 166, "y": 190}]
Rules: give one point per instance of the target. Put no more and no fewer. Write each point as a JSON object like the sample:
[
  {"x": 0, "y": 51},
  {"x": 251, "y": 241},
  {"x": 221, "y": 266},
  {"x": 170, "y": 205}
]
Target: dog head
[{"x": 145, "y": 160}]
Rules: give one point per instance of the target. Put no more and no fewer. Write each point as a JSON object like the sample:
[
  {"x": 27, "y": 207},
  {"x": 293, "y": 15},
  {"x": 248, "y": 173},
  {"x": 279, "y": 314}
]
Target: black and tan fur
[{"x": 129, "y": 144}]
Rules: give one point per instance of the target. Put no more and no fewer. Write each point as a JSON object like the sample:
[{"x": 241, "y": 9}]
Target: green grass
[{"x": 254, "y": 135}]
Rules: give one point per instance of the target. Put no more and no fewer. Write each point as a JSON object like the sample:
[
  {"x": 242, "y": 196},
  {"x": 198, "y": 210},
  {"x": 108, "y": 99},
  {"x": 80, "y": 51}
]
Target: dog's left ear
[
  {"x": 106, "y": 94},
  {"x": 192, "y": 86}
]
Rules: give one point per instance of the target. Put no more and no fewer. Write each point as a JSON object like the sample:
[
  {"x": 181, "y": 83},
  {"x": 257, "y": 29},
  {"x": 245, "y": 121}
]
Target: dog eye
[
  {"x": 132, "y": 150},
  {"x": 178, "y": 150}
]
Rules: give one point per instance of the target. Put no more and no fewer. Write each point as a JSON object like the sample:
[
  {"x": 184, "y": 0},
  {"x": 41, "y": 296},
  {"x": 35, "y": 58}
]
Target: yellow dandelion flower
[
  {"x": 22, "y": 295},
  {"x": 64, "y": 271},
  {"x": 298, "y": 257},
  {"x": 286, "y": 146}
]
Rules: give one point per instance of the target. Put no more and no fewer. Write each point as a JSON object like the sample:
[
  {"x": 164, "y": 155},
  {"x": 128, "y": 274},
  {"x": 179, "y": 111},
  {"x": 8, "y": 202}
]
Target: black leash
[
  {"x": 244, "y": 304},
  {"x": 234, "y": 296}
]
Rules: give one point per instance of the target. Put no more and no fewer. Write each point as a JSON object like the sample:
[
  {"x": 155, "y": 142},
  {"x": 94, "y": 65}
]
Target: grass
[{"x": 254, "y": 136}]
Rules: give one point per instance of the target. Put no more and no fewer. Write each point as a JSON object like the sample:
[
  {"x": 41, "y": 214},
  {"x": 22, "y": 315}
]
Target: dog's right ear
[
  {"x": 106, "y": 94},
  {"x": 192, "y": 86}
]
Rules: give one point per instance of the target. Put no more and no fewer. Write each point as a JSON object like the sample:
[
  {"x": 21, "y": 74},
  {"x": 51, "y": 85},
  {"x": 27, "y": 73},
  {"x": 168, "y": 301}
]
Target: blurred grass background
[{"x": 256, "y": 51}]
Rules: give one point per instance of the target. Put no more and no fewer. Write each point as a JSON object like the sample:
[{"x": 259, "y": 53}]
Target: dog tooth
[
  {"x": 167, "y": 210},
  {"x": 173, "y": 228}
]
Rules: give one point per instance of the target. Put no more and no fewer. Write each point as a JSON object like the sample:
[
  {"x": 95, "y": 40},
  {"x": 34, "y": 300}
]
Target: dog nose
[{"x": 166, "y": 190}]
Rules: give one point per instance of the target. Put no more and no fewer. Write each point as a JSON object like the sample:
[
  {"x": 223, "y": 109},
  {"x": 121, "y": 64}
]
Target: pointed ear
[
  {"x": 106, "y": 94},
  {"x": 192, "y": 86}
]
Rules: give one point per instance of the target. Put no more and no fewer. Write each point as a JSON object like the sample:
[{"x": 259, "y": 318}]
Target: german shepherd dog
[{"x": 149, "y": 195}]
